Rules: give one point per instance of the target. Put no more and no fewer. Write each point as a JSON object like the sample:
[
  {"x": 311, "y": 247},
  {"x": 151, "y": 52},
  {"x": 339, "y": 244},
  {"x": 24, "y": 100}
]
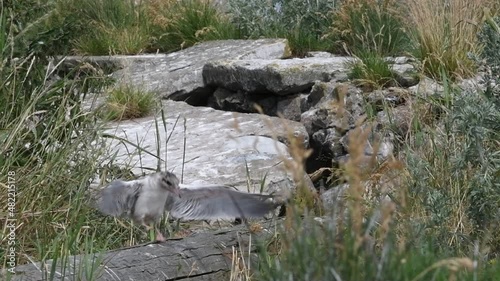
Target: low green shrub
[
  {"x": 454, "y": 164},
  {"x": 304, "y": 23},
  {"x": 489, "y": 37}
]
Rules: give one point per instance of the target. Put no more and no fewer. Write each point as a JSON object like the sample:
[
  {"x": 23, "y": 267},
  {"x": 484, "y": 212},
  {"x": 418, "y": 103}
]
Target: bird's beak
[{"x": 177, "y": 191}]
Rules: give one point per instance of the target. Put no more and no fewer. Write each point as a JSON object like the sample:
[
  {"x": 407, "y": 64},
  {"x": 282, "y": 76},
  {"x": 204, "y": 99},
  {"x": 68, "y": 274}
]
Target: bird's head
[{"x": 169, "y": 182}]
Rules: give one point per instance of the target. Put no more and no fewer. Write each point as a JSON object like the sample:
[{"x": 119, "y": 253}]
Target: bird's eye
[{"x": 168, "y": 182}]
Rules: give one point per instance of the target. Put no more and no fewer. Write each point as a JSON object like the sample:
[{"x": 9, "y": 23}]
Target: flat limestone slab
[
  {"x": 220, "y": 147},
  {"x": 275, "y": 76},
  {"x": 178, "y": 76}
]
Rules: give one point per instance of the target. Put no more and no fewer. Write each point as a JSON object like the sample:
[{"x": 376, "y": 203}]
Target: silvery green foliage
[
  {"x": 274, "y": 17},
  {"x": 467, "y": 156},
  {"x": 476, "y": 121},
  {"x": 489, "y": 36}
]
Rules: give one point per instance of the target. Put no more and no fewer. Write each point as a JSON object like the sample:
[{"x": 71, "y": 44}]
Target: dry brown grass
[
  {"x": 158, "y": 12},
  {"x": 241, "y": 269},
  {"x": 446, "y": 32}
]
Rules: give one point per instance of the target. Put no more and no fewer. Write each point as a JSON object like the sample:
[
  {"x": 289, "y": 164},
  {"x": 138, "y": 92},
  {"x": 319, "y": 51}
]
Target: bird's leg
[
  {"x": 150, "y": 229},
  {"x": 177, "y": 225},
  {"x": 160, "y": 237}
]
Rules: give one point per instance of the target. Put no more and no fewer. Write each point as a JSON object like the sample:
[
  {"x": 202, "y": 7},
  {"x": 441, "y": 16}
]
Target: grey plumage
[
  {"x": 146, "y": 199},
  {"x": 117, "y": 197},
  {"x": 218, "y": 202}
]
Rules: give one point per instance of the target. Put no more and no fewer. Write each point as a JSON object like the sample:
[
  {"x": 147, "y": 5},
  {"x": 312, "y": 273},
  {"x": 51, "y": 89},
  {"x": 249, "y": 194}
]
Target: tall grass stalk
[
  {"x": 177, "y": 25},
  {"x": 110, "y": 27},
  {"x": 371, "y": 71},
  {"x": 50, "y": 153},
  {"x": 363, "y": 26},
  {"x": 116, "y": 27},
  {"x": 51, "y": 149},
  {"x": 446, "y": 34}
]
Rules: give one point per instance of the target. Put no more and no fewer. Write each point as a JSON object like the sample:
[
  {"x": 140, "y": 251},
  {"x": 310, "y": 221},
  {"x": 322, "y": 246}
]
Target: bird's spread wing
[
  {"x": 218, "y": 202},
  {"x": 118, "y": 199}
]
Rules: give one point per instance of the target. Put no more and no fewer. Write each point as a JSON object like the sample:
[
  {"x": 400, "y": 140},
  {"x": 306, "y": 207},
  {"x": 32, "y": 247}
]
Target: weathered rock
[
  {"x": 405, "y": 75},
  {"x": 378, "y": 143},
  {"x": 334, "y": 198},
  {"x": 427, "y": 88},
  {"x": 108, "y": 64},
  {"x": 399, "y": 60},
  {"x": 319, "y": 54},
  {"x": 178, "y": 75},
  {"x": 231, "y": 101},
  {"x": 198, "y": 257},
  {"x": 328, "y": 141},
  {"x": 220, "y": 147},
  {"x": 280, "y": 77},
  {"x": 476, "y": 83},
  {"x": 375, "y": 190},
  {"x": 291, "y": 107},
  {"x": 403, "y": 68},
  {"x": 339, "y": 108},
  {"x": 267, "y": 103},
  {"x": 405, "y": 72},
  {"x": 397, "y": 119},
  {"x": 307, "y": 119},
  {"x": 240, "y": 101},
  {"x": 390, "y": 97},
  {"x": 320, "y": 91}
]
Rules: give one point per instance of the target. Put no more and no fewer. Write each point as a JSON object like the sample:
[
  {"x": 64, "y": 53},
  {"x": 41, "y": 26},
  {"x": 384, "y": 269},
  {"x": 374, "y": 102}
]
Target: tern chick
[{"x": 146, "y": 199}]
